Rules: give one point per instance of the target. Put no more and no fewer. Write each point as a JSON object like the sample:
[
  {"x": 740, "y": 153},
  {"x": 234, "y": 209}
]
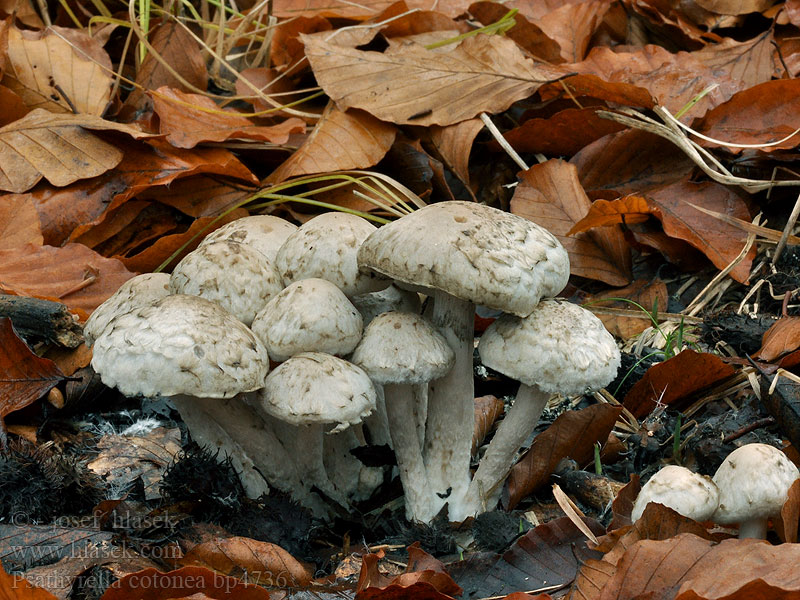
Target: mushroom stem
[
  {"x": 421, "y": 505},
  {"x": 421, "y": 410},
  {"x": 517, "y": 425},
  {"x": 308, "y": 453},
  {"x": 755, "y": 528},
  {"x": 451, "y": 412}
]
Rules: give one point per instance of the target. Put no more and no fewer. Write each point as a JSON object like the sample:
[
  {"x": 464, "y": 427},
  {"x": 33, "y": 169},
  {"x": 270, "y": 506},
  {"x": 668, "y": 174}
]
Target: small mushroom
[
  {"x": 400, "y": 351},
  {"x": 687, "y": 493},
  {"x": 264, "y": 233},
  {"x": 559, "y": 348},
  {"x": 753, "y": 483}
]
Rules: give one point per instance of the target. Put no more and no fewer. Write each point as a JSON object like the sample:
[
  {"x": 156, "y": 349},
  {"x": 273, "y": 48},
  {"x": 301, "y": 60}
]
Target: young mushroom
[
  {"x": 462, "y": 254},
  {"x": 264, "y": 233},
  {"x": 753, "y": 483},
  {"x": 560, "y": 348},
  {"x": 687, "y": 493},
  {"x": 400, "y": 351}
]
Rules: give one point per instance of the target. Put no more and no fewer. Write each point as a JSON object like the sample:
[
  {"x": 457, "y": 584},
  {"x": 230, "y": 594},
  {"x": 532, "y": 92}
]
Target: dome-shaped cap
[
  {"x": 470, "y": 251},
  {"x": 560, "y": 347},
  {"x": 402, "y": 347},
  {"x": 687, "y": 493},
  {"x": 308, "y": 315},
  {"x": 137, "y": 291},
  {"x": 317, "y": 388},
  {"x": 237, "y": 277},
  {"x": 392, "y": 298},
  {"x": 180, "y": 345},
  {"x": 753, "y": 482},
  {"x": 264, "y": 233},
  {"x": 326, "y": 247}
]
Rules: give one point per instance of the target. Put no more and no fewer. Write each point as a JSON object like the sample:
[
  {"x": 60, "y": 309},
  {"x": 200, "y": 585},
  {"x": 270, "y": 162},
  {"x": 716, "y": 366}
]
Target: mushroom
[
  {"x": 308, "y": 315},
  {"x": 559, "y": 348},
  {"x": 195, "y": 352},
  {"x": 236, "y": 276},
  {"x": 463, "y": 253},
  {"x": 326, "y": 247},
  {"x": 264, "y": 233},
  {"x": 400, "y": 351},
  {"x": 392, "y": 298},
  {"x": 753, "y": 483},
  {"x": 313, "y": 391},
  {"x": 687, "y": 493},
  {"x": 137, "y": 291}
]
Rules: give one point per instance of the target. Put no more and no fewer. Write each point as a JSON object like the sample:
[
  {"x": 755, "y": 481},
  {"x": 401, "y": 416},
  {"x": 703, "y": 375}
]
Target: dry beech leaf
[
  {"x": 340, "y": 141},
  {"x": 735, "y": 7},
  {"x": 195, "y": 583},
  {"x": 674, "y": 382},
  {"x": 526, "y": 33},
  {"x": 572, "y": 26},
  {"x": 782, "y": 337},
  {"x": 24, "y": 377},
  {"x": 719, "y": 241},
  {"x": 786, "y": 523},
  {"x": 16, "y": 587},
  {"x": 263, "y": 562},
  {"x": 573, "y": 435},
  {"x": 56, "y": 147},
  {"x": 550, "y": 195},
  {"x": 454, "y": 144},
  {"x": 359, "y": 11},
  {"x": 629, "y": 162},
  {"x": 487, "y": 410},
  {"x": 73, "y": 275},
  {"x": 750, "y": 62},
  {"x": 19, "y": 223},
  {"x": 190, "y": 119},
  {"x": 59, "y": 69},
  {"x": 410, "y": 85},
  {"x": 564, "y": 133},
  {"x": 762, "y": 114},
  {"x": 626, "y": 210},
  {"x": 646, "y": 293},
  {"x": 622, "y": 505},
  {"x": 590, "y": 580}
]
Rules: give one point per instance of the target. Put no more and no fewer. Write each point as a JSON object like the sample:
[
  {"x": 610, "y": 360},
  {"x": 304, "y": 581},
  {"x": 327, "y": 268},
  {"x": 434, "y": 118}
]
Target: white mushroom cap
[
  {"x": 264, "y": 233},
  {"x": 308, "y": 315},
  {"x": 180, "y": 345},
  {"x": 317, "y": 388},
  {"x": 560, "y": 348},
  {"x": 687, "y": 493},
  {"x": 753, "y": 482},
  {"x": 137, "y": 291},
  {"x": 402, "y": 348},
  {"x": 392, "y": 298},
  {"x": 470, "y": 251},
  {"x": 237, "y": 277},
  {"x": 326, "y": 247}
]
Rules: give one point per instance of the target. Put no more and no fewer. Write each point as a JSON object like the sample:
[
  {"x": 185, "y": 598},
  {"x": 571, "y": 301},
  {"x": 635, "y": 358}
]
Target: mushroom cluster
[{"x": 311, "y": 296}]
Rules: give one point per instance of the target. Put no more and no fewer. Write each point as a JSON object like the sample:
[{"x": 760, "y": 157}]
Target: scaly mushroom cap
[
  {"x": 237, "y": 277},
  {"x": 316, "y": 388},
  {"x": 180, "y": 345},
  {"x": 392, "y": 298},
  {"x": 560, "y": 347},
  {"x": 687, "y": 493},
  {"x": 402, "y": 348},
  {"x": 326, "y": 247},
  {"x": 138, "y": 291},
  {"x": 264, "y": 233},
  {"x": 308, "y": 315},
  {"x": 470, "y": 251},
  {"x": 753, "y": 482}
]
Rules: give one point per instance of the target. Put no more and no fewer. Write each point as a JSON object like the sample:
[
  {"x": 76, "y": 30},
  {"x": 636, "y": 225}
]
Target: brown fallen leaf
[
  {"x": 676, "y": 381},
  {"x": 454, "y": 145},
  {"x": 734, "y": 7},
  {"x": 573, "y": 434},
  {"x": 424, "y": 577},
  {"x": 19, "y": 223},
  {"x": 24, "y": 376},
  {"x": 60, "y": 70},
  {"x": 340, "y": 141},
  {"x": 572, "y": 25},
  {"x": 528, "y": 34},
  {"x": 411, "y": 85},
  {"x": 487, "y": 410},
  {"x": 643, "y": 292},
  {"x": 748, "y": 62},
  {"x": 622, "y": 505},
  {"x": 262, "y": 563},
  {"x": 786, "y": 523},
  {"x": 550, "y": 195},
  {"x": 56, "y": 147},
  {"x": 195, "y": 583},
  {"x": 190, "y": 119},
  {"x": 719, "y": 241},
  {"x": 782, "y": 337},
  {"x": 16, "y": 587},
  {"x": 623, "y": 211}
]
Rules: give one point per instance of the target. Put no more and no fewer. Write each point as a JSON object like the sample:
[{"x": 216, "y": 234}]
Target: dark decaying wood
[{"x": 42, "y": 320}]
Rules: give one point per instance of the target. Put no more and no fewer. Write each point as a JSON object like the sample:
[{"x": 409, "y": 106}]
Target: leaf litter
[{"x": 665, "y": 141}]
